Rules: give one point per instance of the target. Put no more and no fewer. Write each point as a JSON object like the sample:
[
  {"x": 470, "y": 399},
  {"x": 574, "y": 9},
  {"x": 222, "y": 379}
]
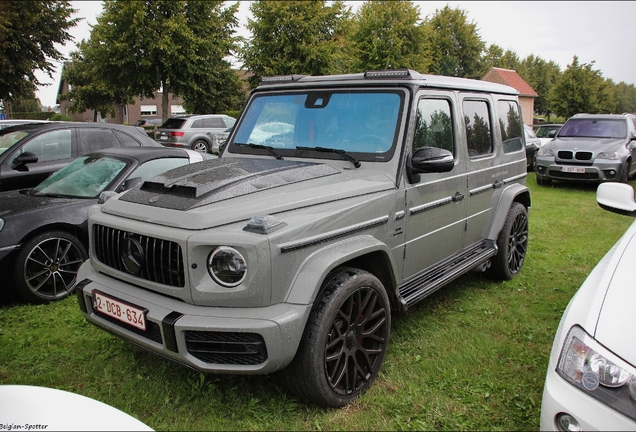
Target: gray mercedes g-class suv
[{"x": 337, "y": 201}]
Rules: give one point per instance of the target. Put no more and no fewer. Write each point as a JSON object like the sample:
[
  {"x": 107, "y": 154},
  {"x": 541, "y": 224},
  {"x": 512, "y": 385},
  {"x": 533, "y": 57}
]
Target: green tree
[
  {"x": 625, "y": 98},
  {"x": 296, "y": 37},
  {"x": 87, "y": 90},
  {"x": 495, "y": 56},
  {"x": 177, "y": 46},
  {"x": 29, "y": 32},
  {"x": 454, "y": 44},
  {"x": 387, "y": 35},
  {"x": 541, "y": 76},
  {"x": 581, "y": 89}
]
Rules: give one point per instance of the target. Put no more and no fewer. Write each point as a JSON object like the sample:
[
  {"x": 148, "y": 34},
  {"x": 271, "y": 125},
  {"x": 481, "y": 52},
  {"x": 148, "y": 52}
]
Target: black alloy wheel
[{"x": 345, "y": 341}]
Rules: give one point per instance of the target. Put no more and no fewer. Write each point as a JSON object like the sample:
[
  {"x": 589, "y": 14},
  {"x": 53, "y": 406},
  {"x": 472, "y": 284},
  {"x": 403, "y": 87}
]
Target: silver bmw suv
[
  {"x": 200, "y": 132},
  {"x": 590, "y": 148},
  {"x": 337, "y": 202}
]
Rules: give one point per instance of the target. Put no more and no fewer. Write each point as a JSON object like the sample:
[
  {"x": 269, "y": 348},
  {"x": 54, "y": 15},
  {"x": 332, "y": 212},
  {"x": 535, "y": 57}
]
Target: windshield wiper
[
  {"x": 343, "y": 154},
  {"x": 259, "y": 146}
]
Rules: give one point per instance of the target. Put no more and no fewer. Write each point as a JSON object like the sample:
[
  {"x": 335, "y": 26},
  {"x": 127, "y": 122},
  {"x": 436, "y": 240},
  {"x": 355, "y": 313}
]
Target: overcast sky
[{"x": 599, "y": 31}]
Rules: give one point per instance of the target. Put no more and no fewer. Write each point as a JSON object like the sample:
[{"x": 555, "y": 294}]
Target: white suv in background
[{"x": 200, "y": 132}]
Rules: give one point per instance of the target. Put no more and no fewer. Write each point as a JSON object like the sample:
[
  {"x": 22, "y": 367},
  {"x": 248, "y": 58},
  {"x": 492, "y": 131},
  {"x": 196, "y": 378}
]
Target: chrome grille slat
[{"x": 159, "y": 266}]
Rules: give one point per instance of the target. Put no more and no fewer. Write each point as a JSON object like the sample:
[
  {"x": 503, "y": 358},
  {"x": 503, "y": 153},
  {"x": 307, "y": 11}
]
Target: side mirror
[
  {"x": 429, "y": 160},
  {"x": 617, "y": 198},
  {"x": 552, "y": 134},
  {"x": 21, "y": 161}
]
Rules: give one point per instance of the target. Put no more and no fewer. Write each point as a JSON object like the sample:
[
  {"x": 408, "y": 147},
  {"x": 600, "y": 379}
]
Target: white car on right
[{"x": 591, "y": 378}]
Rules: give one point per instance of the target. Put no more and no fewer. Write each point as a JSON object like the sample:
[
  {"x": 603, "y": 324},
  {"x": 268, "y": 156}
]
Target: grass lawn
[{"x": 472, "y": 356}]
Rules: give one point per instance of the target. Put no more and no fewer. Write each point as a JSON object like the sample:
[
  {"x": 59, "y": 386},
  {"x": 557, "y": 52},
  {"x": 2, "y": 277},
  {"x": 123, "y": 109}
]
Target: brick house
[{"x": 511, "y": 78}]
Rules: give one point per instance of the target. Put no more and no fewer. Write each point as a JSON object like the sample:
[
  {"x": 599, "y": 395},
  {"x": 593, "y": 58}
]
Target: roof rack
[
  {"x": 279, "y": 79},
  {"x": 388, "y": 73}
]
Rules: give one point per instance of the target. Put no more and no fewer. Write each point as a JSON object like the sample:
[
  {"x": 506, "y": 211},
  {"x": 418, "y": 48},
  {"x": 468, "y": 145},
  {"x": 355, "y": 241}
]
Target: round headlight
[{"x": 227, "y": 266}]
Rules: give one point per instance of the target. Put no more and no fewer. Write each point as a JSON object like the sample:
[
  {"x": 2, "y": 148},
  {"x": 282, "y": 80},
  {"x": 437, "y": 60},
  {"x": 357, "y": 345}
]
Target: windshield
[
  {"x": 85, "y": 177},
  {"x": 357, "y": 122},
  {"x": 594, "y": 128},
  {"x": 7, "y": 139}
]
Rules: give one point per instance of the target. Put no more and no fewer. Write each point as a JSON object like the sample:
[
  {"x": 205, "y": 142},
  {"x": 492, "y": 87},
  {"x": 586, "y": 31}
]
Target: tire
[
  {"x": 512, "y": 244},
  {"x": 201, "y": 146},
  {"x": 625, "y": 172},
  {"x": 345, "y": 340},
  {"x": 47, "y": 265},
  {"x": 543, "y": 181}
]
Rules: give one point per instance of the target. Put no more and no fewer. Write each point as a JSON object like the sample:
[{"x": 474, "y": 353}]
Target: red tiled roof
[{"x": 510, "y": 78}]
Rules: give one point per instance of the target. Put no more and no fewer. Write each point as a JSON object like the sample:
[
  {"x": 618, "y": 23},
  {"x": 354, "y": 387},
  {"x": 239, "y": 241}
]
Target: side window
[
  {"x": 510, "y": 126},
  {"x": 50, "y": 146},
  {"x": 126, "y": 140},
  {"x": 96, "y": 139},
  {"x": 229, "y": 122},
  {"x": 434, "y": 126},
  {"x": 197, "y": 124},
  {"x": 478, "y": 128}
]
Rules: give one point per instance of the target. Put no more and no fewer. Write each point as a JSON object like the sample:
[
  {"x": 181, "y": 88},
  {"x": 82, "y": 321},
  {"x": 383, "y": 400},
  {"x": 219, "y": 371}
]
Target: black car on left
[
  {"x": 44, "y": 230},
  {"x": 29, "y": 153}
]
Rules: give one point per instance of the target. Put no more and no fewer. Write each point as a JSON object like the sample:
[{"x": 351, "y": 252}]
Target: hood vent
[{"x": 211, "y": 181}]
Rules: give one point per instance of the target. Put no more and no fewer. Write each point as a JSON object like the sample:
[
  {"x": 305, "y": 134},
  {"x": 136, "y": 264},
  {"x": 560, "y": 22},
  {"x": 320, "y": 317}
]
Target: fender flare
[
  {"x": 308, "y": 280},
  {"x": 515, "y": 192}
]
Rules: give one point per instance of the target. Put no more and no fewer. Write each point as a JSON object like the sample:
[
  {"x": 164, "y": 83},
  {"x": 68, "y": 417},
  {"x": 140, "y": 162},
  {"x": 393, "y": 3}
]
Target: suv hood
[
  {"x": 228, "y": 190},
  {"x": 591, "y": 144}
]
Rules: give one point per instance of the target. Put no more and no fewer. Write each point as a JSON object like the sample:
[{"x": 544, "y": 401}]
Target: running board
[{"x": 424, "y": 284}]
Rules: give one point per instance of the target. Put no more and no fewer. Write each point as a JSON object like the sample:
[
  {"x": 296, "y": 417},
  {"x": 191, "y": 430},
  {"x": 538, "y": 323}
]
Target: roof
[
  {"x": 510, "y": 78},
  {"x": 386, "y": 78}
]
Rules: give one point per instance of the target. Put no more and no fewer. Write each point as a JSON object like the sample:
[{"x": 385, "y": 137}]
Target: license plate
[
  {"x": 119, "y": 310},
  {"x": 163, "y": 137},
  {"x": 577, "y": 170}
]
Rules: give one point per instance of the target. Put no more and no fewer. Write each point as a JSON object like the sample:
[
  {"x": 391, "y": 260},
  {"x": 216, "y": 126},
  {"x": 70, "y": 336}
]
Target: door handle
[
  {"x": 458, "y": 197},
  {"x": 497, "y": 184}
]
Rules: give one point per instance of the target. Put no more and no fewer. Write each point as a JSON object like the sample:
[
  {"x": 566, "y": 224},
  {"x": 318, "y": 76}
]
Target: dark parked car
[
  {"x": 43, "y": 231},
  {"x": 532, "y": 146},
  {"x": 30, "y": 153}
]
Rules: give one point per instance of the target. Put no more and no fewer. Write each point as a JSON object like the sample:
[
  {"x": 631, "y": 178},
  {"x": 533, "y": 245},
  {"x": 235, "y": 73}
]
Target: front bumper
[
  {"x": 599, "y": 171},
  {"x": 560, "y": 397},
  {"x": 209, "y": 339}
]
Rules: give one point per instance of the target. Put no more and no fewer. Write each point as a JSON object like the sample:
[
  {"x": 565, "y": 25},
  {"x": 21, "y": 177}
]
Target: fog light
[
  {"x": 540, "y": 169},
  {"x": 566, "y": 422}
]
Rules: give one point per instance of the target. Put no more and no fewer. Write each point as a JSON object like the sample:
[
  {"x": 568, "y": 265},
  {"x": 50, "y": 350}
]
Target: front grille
[
  {"x": 162, "y": 260},
  {"x": 152, "y": 331},
  {"x": 226, "y": 348},
  {"x": 579, "y": 155}
]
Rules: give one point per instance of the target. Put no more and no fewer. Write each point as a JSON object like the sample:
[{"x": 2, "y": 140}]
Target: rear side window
[
  {"x": 96, "y": 139},
  {"x": 478, "y": 128},
  {"x": 173, "y": 123},
  {"x": 510, "y": 126},
  {"x": 434, "y": 127},
  {"x": 213, "y": 123},
  {"x": 126, "y": 140}
]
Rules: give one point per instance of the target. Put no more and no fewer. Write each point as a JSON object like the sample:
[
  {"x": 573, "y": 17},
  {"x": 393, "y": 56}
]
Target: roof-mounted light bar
[
  {"x": 390, "y": 73},
  {"x": 278, "y": 79}
]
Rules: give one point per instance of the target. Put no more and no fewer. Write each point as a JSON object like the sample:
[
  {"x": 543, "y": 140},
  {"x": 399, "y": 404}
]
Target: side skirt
[{"x": 430, "y": 280}]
